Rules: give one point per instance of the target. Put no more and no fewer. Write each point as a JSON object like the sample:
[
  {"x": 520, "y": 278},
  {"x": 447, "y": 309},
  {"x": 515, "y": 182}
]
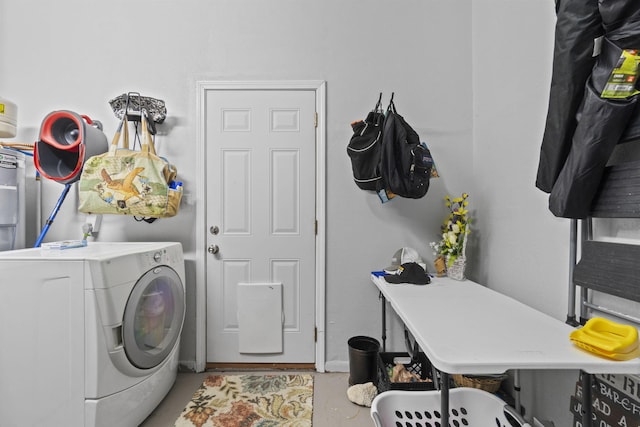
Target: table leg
[
  {"x": 586, "y": 399},
  {"x": 516, "y": 391},
  {"x": 412, "y": 348},
  {"x": 444, "y": 399},
  {"x": 384, "y": 321}
]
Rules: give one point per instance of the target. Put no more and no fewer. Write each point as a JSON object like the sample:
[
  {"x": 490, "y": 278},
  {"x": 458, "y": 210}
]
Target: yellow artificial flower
[{"x": 454, "y": 228}]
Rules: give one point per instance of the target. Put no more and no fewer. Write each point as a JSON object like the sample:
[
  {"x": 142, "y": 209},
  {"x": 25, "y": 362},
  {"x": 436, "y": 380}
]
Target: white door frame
[{"x": 319, "y": 86}]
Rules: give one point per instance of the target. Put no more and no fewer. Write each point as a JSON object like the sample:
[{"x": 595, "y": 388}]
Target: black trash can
[{"x": 363, "y": 360}]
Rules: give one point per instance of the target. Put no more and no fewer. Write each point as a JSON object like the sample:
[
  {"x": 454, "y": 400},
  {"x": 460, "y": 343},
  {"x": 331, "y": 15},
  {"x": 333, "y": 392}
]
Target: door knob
[{"x": 213, "y": 249}]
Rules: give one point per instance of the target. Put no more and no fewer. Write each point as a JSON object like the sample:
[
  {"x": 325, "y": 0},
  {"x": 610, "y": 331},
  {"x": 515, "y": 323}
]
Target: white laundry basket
[{"x": 467, "y": 407}]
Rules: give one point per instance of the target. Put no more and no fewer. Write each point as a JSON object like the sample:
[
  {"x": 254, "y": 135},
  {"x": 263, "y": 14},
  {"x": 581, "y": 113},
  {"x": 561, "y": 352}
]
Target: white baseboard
[{"x": 335, "y": 366}]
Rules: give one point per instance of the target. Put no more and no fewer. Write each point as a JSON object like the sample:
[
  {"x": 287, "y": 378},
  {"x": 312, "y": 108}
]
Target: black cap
[{"x": 409, "y": 272}]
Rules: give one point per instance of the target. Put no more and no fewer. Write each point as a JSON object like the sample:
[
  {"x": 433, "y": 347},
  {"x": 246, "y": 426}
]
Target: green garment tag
[{"x": 622, "y": 81}]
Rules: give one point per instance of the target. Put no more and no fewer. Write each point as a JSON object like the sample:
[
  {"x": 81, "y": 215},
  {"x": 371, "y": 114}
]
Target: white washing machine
[{"x": 89, "y": 336}]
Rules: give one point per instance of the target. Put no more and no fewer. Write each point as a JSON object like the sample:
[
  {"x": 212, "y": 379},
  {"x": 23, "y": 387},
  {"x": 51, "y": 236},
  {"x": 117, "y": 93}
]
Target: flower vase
[
  {"x": 440, "y": 264},
  {"x": 456, "y": 269}
]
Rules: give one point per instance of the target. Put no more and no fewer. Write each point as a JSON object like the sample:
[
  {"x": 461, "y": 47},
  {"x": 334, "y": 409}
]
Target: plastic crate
[
  {"x": 420, "y": 366},
  {"x": 467, "y": 407}
]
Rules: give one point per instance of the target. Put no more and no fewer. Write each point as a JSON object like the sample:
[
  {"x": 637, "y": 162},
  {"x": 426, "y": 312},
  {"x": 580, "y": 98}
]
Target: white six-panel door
[{"x": 260, "y": 197}]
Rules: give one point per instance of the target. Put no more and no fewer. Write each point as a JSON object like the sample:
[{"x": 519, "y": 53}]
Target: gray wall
[
  {"x": 472, "y": 78},
  {"x": 522, "y": 249}
]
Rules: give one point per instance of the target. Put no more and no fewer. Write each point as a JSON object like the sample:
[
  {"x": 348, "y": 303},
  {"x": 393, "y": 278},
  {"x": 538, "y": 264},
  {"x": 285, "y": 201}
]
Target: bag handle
[
  {"x": 170, "y": 171},
  {"x": 122, "y": 130},
  {"x": 378, "y": 106},
  {"x": 147, "y": 140},
  {"x": 392, "y": 107}
]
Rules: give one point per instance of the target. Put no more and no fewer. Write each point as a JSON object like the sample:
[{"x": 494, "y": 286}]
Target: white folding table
[{"x": 466, "y": 328}]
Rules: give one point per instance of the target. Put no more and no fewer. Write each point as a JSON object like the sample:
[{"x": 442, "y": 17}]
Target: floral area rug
[{"x": 250, "y": 401}]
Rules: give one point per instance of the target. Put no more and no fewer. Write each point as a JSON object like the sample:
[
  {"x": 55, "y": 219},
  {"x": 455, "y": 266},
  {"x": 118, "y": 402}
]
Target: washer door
[{"x": 153, "y": 317}]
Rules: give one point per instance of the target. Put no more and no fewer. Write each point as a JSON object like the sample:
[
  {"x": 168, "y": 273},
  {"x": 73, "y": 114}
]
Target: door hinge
[
  {"x": 315, "y": 334},
  {"x": 316, "y": 227},
  {"x": 315, "y": 119}
]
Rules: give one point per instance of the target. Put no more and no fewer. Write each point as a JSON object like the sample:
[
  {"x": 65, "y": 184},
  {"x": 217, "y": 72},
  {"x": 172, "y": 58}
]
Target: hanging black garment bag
[
  {"x": 578, "y": 25},
  {"x": 600, "y": 123},
  {"x": 600, "y": 128}
]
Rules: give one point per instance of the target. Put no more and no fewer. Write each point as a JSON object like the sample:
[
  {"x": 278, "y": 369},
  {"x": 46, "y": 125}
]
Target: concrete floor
[{"x": 331, "y": 408}]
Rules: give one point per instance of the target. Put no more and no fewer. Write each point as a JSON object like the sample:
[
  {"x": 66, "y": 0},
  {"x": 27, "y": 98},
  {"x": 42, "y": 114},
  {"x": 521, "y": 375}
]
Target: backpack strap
[
  {"x": 378, "y": 106},
  {"x": 392, "y": 107}
]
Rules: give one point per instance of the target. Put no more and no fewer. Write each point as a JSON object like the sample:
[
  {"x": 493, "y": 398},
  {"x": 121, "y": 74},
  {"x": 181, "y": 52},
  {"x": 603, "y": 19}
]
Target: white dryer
[{"x": 89, "y": 336}]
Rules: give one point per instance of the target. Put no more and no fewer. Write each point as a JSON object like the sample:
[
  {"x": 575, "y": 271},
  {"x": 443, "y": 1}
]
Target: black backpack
[
  {"x": 405, "y": 163},
  {"x": 365, "y": 147}
]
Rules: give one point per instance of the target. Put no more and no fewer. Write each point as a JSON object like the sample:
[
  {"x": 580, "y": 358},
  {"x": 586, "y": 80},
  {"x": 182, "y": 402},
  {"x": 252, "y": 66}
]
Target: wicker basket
[{"x": 490, "y": 384}]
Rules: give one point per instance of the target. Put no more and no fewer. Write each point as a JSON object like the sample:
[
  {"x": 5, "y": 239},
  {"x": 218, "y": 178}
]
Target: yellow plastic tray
[{"x": 608, "y": 339}]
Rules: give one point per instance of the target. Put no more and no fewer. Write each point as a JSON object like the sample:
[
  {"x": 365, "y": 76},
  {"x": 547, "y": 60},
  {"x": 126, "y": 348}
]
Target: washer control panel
[
  {"x": 154, "y": 258},
  {"x": 165, "y": 256}
]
